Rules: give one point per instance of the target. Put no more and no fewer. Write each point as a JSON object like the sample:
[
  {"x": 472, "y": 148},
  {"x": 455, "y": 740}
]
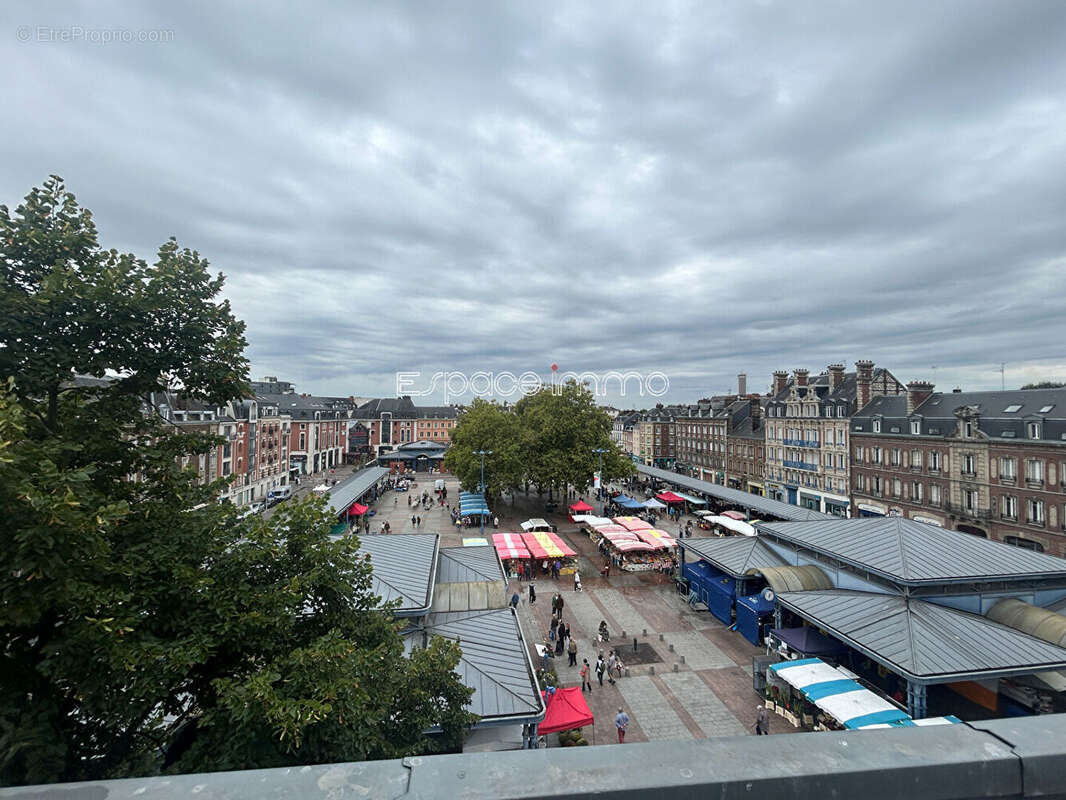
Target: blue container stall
[{"x": 754, "y": 613}]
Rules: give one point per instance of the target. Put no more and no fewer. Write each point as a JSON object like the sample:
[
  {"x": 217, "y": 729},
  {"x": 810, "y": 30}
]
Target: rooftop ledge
[{"x": 1007, "y": 758}]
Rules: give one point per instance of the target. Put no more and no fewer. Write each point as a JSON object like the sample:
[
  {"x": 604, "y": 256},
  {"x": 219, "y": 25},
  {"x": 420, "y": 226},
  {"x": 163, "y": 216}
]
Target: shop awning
[
  {"x": 692, "y": 501},
  {"x": 669, "y": 497},
  {"x": 603, "y": 530},
  {"x": 634, "y": 546},
  {"x": 580, "y": 507},
  {"x": 567, "y": 710},
  {"x": 743, "y": 528},
  {"x": 475, "y": 512},
  {"x": 654, "y": 505},
  {"x": 547, "y": 543},
  {"x": 632, "y": 523},
  {"x": 594, "y": 521},
  {"x": 656, "y": 537},
  {"x": 625, "y": 501},
  {"x": 535, "y": 524},
  {"x": 510, "y": 545},
  {"x": 835, "y": 692},
  {"x": 734, "y": 515}
]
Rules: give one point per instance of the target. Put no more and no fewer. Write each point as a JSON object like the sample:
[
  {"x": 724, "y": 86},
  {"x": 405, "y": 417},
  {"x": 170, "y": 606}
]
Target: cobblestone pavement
[
  {"x": 709, "y": 713},
  {"x": 698, "y": 650},
  {"x": 646, "y": 703},
  {"x": 623, "y": 613}
]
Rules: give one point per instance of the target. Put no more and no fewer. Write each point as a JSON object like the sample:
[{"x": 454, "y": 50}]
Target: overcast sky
[{"x": 698, "y": 189}]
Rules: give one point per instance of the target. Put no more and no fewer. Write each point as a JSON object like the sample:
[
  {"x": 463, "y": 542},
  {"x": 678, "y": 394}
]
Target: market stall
[
  {"x": 589, "y": 523},
  {"x": 796, "y": 686},
  {"x": 654, "y": 536},
  {"x": 578, "y": 508},
  {"x": 755, "y": 615},
  {"x": 547, "y": 546},
  {"x": 803, "y": 642},
  {"x": 565, "y": 710},
  {"x": 721, "y": 597},
  {"x": 625, "y": 501},
  {"x": 737, "y": 515},
  {"x": 475, "y": 541},
  {"x": 722, "y": 525},
  {"x": 632, "y": 523},
  {"x": 670, "y": 498},
  {"x": 654, "y": 505},
  {"x": 536, "y": 524}
]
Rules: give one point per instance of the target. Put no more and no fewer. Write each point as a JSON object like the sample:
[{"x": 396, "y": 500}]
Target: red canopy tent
[
  {"x": 567, "y": 710},
  {"x": 534, "y": 547},
  {"x": 357, "y": 509},
  {"x": 580, "y": 507},
  {"x": 669, "y": 497},
  {"x": 734, "y": 515}
]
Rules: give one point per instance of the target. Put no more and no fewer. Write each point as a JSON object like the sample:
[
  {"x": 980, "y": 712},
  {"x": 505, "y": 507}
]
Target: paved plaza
[{"x": 709, "y": 695}]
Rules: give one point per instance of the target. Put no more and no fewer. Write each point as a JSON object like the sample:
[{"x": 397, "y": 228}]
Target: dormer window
[
  {"x": 877, "y": 426},
  {"x": 916, "y": 426},
  {"x": 968, "y": 429},
  {"x": 1034, "y": 430}
]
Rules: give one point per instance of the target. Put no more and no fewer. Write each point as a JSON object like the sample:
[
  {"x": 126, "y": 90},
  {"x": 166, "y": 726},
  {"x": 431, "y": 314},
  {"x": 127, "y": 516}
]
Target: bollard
[
  {"x": 660, "y": 637},
  {"x": 627, "y": 672},
  {"x": 634, "y": 645},
  {"x": 623, "y": 634},
  {"x": 645, "y": 632},
  {"x": 671, "y": 648},
  {"x": 651, "y": 670},
  {"x": 682, "y": 659},
  {"x": 675, "y": 667}
]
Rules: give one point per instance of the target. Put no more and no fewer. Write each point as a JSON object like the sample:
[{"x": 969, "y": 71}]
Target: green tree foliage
[
  {"x": 547, "y": 438},
  {"x": 1045, "y": 385},
  {"x": 137, "y": 615}
]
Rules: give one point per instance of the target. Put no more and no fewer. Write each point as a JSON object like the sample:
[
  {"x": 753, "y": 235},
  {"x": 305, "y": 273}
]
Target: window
[
  {"x": 916, "y": 492},
  {"x": 875, "y": 455},
  {"x": 840, "y": 461},
  {"x": 1009, "y": 507},
  {"x": 916, "y": 459},
  {"x": 969, "y": 499},
  {"x": 1046, "y": 409},
  {"x": 1034, "y": 470},
  {"x": 303, "y": 440},
  {"x": 934, "y": 460},
  {"x": 860, "y": 481},
  {"x": 1034, "y": 511},
  {"x": 858, "y": 455},
  {"x": 1025, "y": 544},
  {"x": 969, "y": 465},
  {"x": 877, "y": 426},
  {"x": 1013, "y": 408},
  {"x": 897, "y": 487},
  {"x": 1034, "y": 430},
  {"x": 934, "y": 494},
  {"x": 876, "y": 484},
  {"x": 1008, "y": 468},
  {"x": 895, "y": 456},
  {"x": 916, "y": 426}
]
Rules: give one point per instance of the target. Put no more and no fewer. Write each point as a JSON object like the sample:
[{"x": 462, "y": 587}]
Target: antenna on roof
[{"x": 1002, "y": 379}]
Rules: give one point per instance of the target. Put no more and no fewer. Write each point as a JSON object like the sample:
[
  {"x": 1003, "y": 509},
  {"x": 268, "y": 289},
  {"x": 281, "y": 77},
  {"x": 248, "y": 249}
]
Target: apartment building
[
  {"x": 806, "y": 433},
  {"x": 991, "y": 464},
  {"x": 390, "y": 422}
]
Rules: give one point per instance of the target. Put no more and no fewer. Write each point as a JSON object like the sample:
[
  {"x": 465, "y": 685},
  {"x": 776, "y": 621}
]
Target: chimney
[
  {"x": 780, "y": 381},
  {"x": 864, "y": 375},
  {"x": 742, "y": 384},
  {"x": 756, "y": 412},
  {"x": 801, "y": 377},
  {"x": 917, "y": 393},
  {"x": 836, "y": 376}
]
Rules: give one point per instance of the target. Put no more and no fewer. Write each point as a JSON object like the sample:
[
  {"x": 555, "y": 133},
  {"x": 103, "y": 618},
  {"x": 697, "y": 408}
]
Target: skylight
[
  {"x": 1046, "y": 409},
  {"x": 1012, "y": 408}
]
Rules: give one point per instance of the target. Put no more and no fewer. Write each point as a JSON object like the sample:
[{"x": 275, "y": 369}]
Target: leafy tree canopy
[
  {"x": 138, "y": 616},
  {"x": 1044, "y": 385}
]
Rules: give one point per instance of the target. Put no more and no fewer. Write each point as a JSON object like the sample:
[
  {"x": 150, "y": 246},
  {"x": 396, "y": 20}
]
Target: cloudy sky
[{"x": 699, "y": 189}]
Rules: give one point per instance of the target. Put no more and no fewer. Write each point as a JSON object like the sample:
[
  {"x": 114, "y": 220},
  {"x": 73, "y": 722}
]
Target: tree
[
  {"x": 486, "y": 426},
  {"x": 137, "y": 615},
  {"x": 1045, "y": 385}
]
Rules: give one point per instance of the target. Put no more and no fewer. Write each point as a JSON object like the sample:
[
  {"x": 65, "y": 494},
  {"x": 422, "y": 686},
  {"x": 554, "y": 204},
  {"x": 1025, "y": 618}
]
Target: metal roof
[
  {"x": 922, "y": 641},
  {"x": 469, "y": 564},
  {"x": 344, "y": 494},
  {"x": 405, "y": 565},
  {"x": 734, "y": 555},
  {"x": 494, "y": 663},
  {"x": 1039, "y": 622},
  {"x": 802, "y": 578},
  {"x": 762, "y": 505},
  {"x": 915, "y": 553}
]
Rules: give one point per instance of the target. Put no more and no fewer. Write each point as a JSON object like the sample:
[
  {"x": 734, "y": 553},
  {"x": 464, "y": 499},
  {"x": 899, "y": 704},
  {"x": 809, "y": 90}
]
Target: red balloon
[{"x": 555, "y": 367}]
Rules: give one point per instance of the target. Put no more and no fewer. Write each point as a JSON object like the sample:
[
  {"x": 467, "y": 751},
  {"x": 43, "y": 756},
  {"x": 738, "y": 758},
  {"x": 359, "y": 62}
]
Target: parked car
[{"x": 278, "y": 496}]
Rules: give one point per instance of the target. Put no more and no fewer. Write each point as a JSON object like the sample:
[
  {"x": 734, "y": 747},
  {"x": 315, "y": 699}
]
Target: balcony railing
[
  {"x": 801, "y": 465},
  {"x": 974, "y": 513},
  {"x": 801, "y": 443}
]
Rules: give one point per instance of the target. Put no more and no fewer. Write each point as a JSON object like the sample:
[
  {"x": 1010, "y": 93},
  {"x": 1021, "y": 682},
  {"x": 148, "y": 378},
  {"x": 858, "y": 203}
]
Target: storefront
[
  {"x": 810, "y": 501},
  {"x": 872, "y": 510},
  {"x": 836, "y": 507}
]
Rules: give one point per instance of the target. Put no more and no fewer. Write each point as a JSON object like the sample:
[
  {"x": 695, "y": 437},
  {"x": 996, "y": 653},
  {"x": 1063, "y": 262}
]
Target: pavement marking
[
  {"x": 647, "y": 706},
  {"x": 702, "y": 704}
]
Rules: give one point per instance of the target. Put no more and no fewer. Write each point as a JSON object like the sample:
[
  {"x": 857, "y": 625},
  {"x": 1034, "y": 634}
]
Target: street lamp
[
  {"x": 600, "y": 451},
  {"x": 482, "y": 453}
]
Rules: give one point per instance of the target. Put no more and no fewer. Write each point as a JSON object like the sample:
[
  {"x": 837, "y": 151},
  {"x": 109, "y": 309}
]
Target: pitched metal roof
[
  {"x": 915, "y": 553},
  {"x": 405, "y": 566},
  {"x": 734, "y": 555},
  {"x": 923, "y": 641},
  {"x": 469, "y": 564},
  {"x": 495, "y": 662},
  {"x": 344, "y": 494},
  {"x": 761, "y": 505}
]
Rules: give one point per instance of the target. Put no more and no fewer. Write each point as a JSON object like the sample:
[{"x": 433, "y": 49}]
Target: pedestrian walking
[
  {"x": 612, "y": 662},
  {"x": 532, "y": 593},
  {"x": 413, "y": 520},
  {"x": 586, "y": 677},
  {"x": 571, "y": 650},
  {"x": 762, "y": 721},
  {"x": 622, "y": 723},
  {"x": 408, "y": 501},
  {"x": 418, "y": 524},
  {"x": 514, "y": 600},
  {"x": 577, "y": 581},
  {"x": 395, "y": 502},
  {"x": 601, "y": 667},
  {"x": 561, "y": 604}
]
